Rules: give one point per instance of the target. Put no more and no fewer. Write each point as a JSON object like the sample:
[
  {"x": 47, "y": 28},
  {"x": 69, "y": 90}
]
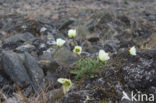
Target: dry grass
[{"x": 42, "y": 97}]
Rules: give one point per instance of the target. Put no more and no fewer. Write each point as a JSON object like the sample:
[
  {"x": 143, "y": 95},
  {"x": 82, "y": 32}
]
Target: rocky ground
[{"x": 30, "y": 62}]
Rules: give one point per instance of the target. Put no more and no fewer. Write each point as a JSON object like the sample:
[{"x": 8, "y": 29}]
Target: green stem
[{"x": 105, "y": 63}]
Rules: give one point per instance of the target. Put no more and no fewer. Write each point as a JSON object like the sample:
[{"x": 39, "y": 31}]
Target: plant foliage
[{"x": 87, "y": 67}]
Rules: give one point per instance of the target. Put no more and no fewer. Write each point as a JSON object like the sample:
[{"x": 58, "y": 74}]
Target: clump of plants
[{"x": 86, "y": 67}]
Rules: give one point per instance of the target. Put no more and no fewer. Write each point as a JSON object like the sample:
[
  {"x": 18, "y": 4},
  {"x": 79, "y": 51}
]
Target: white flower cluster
[
  {"x": 71, "y": 33},
  {"x": 103, "y": 56}
]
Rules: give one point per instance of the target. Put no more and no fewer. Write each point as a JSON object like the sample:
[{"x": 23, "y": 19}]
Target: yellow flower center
[
  {"x": 77, "y": 50},
  {"x": 66, "y": 83}
]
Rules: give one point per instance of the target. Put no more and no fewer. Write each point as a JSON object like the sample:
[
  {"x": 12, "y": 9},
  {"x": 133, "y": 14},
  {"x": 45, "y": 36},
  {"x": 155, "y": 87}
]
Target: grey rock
[
  {"x": 51, "y": 78},
  {"x": 35, "y": 72},
  {"x": 152, "y": 90},
  {"x": 21, "y": 56},
  {"x": 47, "y": 62},
  {"x": 90, "y": 24},
  {"x": 14, "y": 100},
  {"x": 93, "y": 37},
  {"x": 54, "y": 95},
  {"x": 76, "y": 97},
  {"x": 25, "y": 48},
  {"x": 82, "y": 32},
  {"x": 50, "y": 36},
  {"x": 14, "y": 68},
  {"x": 66, "y": 24},
  {"x": 1, "y": 79},
  {"x": 111, "y": 46},
  {"x": 16, "y": 40},
  {"x": 65, "y": 57},
  {"x": 139, "y": 72},
  {"x": 106, "y": 17}
]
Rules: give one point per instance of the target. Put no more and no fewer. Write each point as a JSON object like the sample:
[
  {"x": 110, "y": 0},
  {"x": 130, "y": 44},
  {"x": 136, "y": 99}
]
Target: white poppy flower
[
  {"x": 66, "y": 84},
  {"x": 60, "y": 42},
  {"x": 132, "y": 51},
  {"x": 77, "y": 50},
  {"x": 72, "y": 33},
  {"x": 103, "y": 56}
]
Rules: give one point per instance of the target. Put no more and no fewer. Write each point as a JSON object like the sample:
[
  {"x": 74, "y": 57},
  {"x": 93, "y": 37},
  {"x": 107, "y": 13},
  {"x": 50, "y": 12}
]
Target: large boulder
[{"x": 14, "y": 68}]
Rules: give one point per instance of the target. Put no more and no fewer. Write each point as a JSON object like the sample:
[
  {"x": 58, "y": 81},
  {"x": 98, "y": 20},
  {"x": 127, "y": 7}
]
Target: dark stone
[
  {"x": 51, "y": 78},
  {"x": 74, "y": 97},
  {"x": 111, "y": 46},
  {"x": 14, "y": 68},
  {"x": 28, "y": 91},
  {"x": 47, "y": 62},
  {"x": 1, "y": 79},
  {"x": 25, "y": 48},
  {"x": 139, "y": 72},
  {"x": 125, "y": 20},
  {"x": 16, "y": 40},
  {"x": 34, "y": 71},
  {"x": 143, "y": 32},
  {"x": 90, "y": 24},
  {"x": 93, "y": 37},
  {"x": 107, "y": 17},
  {"x": 66, "y": 24}
]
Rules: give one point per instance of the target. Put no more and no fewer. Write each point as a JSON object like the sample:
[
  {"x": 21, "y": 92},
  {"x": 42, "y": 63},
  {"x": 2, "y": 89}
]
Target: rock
[
  {"x": 152, "y": 43},
  {"x": 40, "y": 45},
  {"x": 107, "y": 17},
  {"x": 111, "y": 46},
  {"x": 51, "y": 78},
  {"x": 125, "y": 20},
  {"x": 13, "y": 100},
  {"x": 54, "y": 95},
  {"x": 90, "y": 24},
  {"x": 92, "y": 49},
  {"x": 82, "y": 32},
  {"x": 35, "y": 72},
  {"x": 47, "y": 55},
  {"x": 59, "y": 35},
  {"x": 142, "y": 33},
  {"x": 48, "y": 65},
  {"x": 16, "y": 40},
  {"x": 92, "y": 37},
  {"x": 47, "y": 62},
  {"x": 66, "y": 24},
  {"x": 21, "y": 56},
  {"x": 44, "y": 63},
  {"x": 25, "y": 48},
  {"x": 152, "y": 90},
  {"x": 65, "y": 57},
  {"x": 50, "y": 40},
  {"x": 1, "y": 79},
  {"x": 1, "y": 62},
  {"x": 139, "y": 72},
  {"x": 75, "y": 97},
  {"x": 14, "y": 68}
]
